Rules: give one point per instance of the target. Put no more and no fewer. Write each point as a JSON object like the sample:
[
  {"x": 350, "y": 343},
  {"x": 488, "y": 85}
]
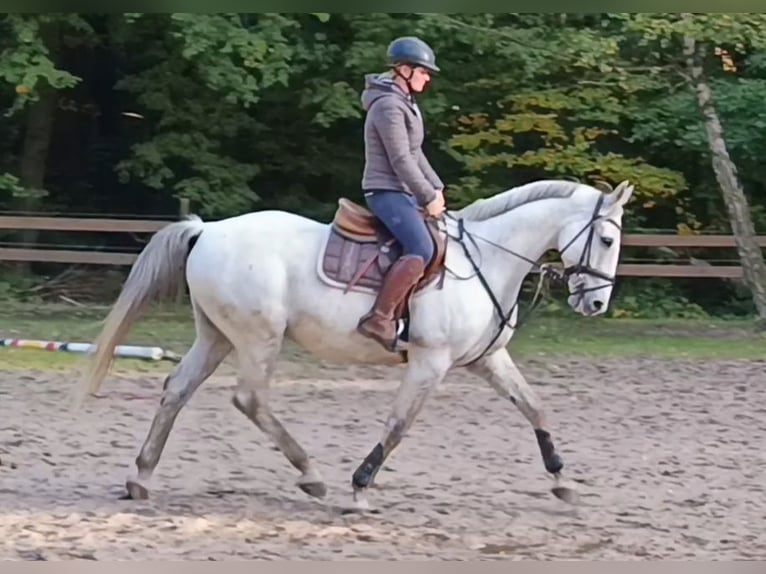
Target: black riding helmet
[{"x": 413, "y": 51}]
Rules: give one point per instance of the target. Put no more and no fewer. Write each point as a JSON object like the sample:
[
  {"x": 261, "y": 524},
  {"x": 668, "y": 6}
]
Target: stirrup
[{"x": 399, "y": 343}]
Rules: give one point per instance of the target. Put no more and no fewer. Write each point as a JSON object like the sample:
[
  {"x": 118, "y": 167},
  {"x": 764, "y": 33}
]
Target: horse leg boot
[{"x": 380, "y": 324}]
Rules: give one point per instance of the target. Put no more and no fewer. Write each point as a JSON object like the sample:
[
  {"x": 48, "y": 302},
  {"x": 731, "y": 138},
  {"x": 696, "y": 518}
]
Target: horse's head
[{"x": 589, "y": 244}]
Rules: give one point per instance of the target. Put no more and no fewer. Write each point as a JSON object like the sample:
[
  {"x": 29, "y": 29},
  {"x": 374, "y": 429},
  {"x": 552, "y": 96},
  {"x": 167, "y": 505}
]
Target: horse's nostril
[{"x": 598, "y": 304}]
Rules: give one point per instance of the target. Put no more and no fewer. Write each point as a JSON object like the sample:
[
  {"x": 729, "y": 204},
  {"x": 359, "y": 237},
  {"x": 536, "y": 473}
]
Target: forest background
[{"x": 125, "y": 114}]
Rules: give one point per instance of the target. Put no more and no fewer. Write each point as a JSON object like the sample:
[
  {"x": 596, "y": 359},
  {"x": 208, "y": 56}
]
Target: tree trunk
[
  {"x": 749, "y": 251},
  {"x": 37, "y": 139}
]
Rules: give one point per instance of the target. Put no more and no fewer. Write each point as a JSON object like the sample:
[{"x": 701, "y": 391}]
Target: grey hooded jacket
[{"x": 393, "y": 138}]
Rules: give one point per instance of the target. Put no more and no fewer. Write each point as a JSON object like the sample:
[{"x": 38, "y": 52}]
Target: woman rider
[{"x": 398, "y": 182}]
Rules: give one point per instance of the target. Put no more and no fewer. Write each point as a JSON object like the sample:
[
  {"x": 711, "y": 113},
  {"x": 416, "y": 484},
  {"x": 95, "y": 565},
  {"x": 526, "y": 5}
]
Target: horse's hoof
[
  {"x": 554, "y": 464},
  {"x": 135, "y": 491},
  {"x": 317, "y": 489},
  {"x": 565, "y": 493}
]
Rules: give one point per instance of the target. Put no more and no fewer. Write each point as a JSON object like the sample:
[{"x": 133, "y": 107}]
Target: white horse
[{"x": 253, "y": 280}]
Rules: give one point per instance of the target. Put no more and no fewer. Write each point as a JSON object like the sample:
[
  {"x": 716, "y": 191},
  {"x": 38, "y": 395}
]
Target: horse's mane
[{"x": 505, "y": 201}]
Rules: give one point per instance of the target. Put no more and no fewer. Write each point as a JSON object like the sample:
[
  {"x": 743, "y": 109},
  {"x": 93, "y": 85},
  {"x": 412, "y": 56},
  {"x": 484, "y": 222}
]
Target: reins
[{"x": 545, "y": 270}]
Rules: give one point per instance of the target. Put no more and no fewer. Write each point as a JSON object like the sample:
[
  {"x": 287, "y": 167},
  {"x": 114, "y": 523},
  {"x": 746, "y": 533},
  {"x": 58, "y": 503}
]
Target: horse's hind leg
[
  {"x": 257, "y": 363},
  {"x": 209, "y": 349}
]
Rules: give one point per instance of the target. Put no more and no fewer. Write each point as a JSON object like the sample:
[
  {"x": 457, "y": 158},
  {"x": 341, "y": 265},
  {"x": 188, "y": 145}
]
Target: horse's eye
[{"x": 607, "y": 241}]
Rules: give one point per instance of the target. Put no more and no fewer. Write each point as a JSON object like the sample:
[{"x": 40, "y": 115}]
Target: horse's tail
[{"x": 157, "y": 274}]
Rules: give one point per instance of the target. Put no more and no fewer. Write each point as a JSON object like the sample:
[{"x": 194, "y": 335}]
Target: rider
[{"x": 398, "y": 182}]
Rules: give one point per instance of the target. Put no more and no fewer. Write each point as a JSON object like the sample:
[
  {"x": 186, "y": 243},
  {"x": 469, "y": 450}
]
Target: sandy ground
[{"x": 668, "y": 456}]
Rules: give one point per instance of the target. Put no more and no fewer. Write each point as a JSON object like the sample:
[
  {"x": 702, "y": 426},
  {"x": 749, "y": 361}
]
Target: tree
[
  {"x": 549, "y": 108},
  {"x": 252, "y": 111},
  {"x": 754, "y": 269},
  {"x": 31, "y": 64},
  {"x": 687, "y": 42}
]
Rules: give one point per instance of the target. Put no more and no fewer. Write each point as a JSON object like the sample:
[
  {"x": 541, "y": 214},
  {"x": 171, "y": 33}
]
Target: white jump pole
[{"x": 123, "y": 351}]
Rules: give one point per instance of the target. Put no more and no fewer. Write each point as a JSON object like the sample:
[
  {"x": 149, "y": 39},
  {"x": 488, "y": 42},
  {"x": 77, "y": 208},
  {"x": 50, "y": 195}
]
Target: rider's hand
[{"x": 436, "y": 207}]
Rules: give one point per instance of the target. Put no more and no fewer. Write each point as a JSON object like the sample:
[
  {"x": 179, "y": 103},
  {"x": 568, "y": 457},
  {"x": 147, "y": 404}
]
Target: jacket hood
[{"x": 379, "y": 85}]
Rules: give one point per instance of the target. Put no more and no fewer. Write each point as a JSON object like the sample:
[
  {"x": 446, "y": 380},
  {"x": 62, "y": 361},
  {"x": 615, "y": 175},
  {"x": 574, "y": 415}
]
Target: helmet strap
[{"x": 406, "y": 79}]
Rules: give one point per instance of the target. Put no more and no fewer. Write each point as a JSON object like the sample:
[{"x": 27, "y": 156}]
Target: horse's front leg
[
  {"x": 425, "y": 370},
  {"x": 502, "y": 374}
]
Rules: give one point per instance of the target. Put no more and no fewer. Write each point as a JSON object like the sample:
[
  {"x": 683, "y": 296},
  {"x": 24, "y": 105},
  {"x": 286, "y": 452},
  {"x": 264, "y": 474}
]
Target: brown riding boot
[{"x": 379, "y": 323}]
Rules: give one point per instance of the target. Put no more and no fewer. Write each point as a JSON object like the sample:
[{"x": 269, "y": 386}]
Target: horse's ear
[{"x": 620, "y": 196}]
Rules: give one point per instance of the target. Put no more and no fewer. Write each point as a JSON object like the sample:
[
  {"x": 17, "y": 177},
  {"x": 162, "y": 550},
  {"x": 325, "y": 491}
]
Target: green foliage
[
  {"x": 234, "y": 60},
  {"x": 214, "y": 182},
  {"x": 221, "y": 91},
  {"x": 672, "y": 120},
  {"x": 259, "y": 110},
  {"x": 663, "y": 28},
  {"x": 534, "y": 134},
  {"x": 9, "y": 184},
  {"x": 200, "y": 76},
  {"x": 25, "y": 61},
  {"x": 653, "y": 299},
  {"x": 15, "y": 287}
]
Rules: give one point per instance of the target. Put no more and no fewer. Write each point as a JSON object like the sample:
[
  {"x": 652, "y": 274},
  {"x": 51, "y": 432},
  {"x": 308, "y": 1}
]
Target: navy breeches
[{"x": 400, "y": 214}]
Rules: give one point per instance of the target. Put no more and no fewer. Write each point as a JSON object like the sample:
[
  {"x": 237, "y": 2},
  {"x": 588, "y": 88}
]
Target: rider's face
[{"x": 419, "y": 77}]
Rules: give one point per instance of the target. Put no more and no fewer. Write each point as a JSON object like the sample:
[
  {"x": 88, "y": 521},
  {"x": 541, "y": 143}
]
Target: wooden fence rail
[
  {"x": 103, "y": 225},
  {"x": 107, "y": 225}
]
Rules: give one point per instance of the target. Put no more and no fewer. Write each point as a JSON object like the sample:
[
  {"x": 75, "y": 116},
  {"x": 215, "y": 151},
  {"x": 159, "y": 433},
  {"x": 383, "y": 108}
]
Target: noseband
[{"x": 582, "y": 267}]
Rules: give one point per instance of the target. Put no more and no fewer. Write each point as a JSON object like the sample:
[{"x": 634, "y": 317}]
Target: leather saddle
[{"x": 360, "y": 250}]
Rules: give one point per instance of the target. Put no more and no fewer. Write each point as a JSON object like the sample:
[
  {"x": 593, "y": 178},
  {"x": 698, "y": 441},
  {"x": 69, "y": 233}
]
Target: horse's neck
[{"x": 529, "y": 230}]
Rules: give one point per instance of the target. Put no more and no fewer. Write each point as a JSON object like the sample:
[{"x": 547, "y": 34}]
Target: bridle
[{"x": 546, "y": 270}]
